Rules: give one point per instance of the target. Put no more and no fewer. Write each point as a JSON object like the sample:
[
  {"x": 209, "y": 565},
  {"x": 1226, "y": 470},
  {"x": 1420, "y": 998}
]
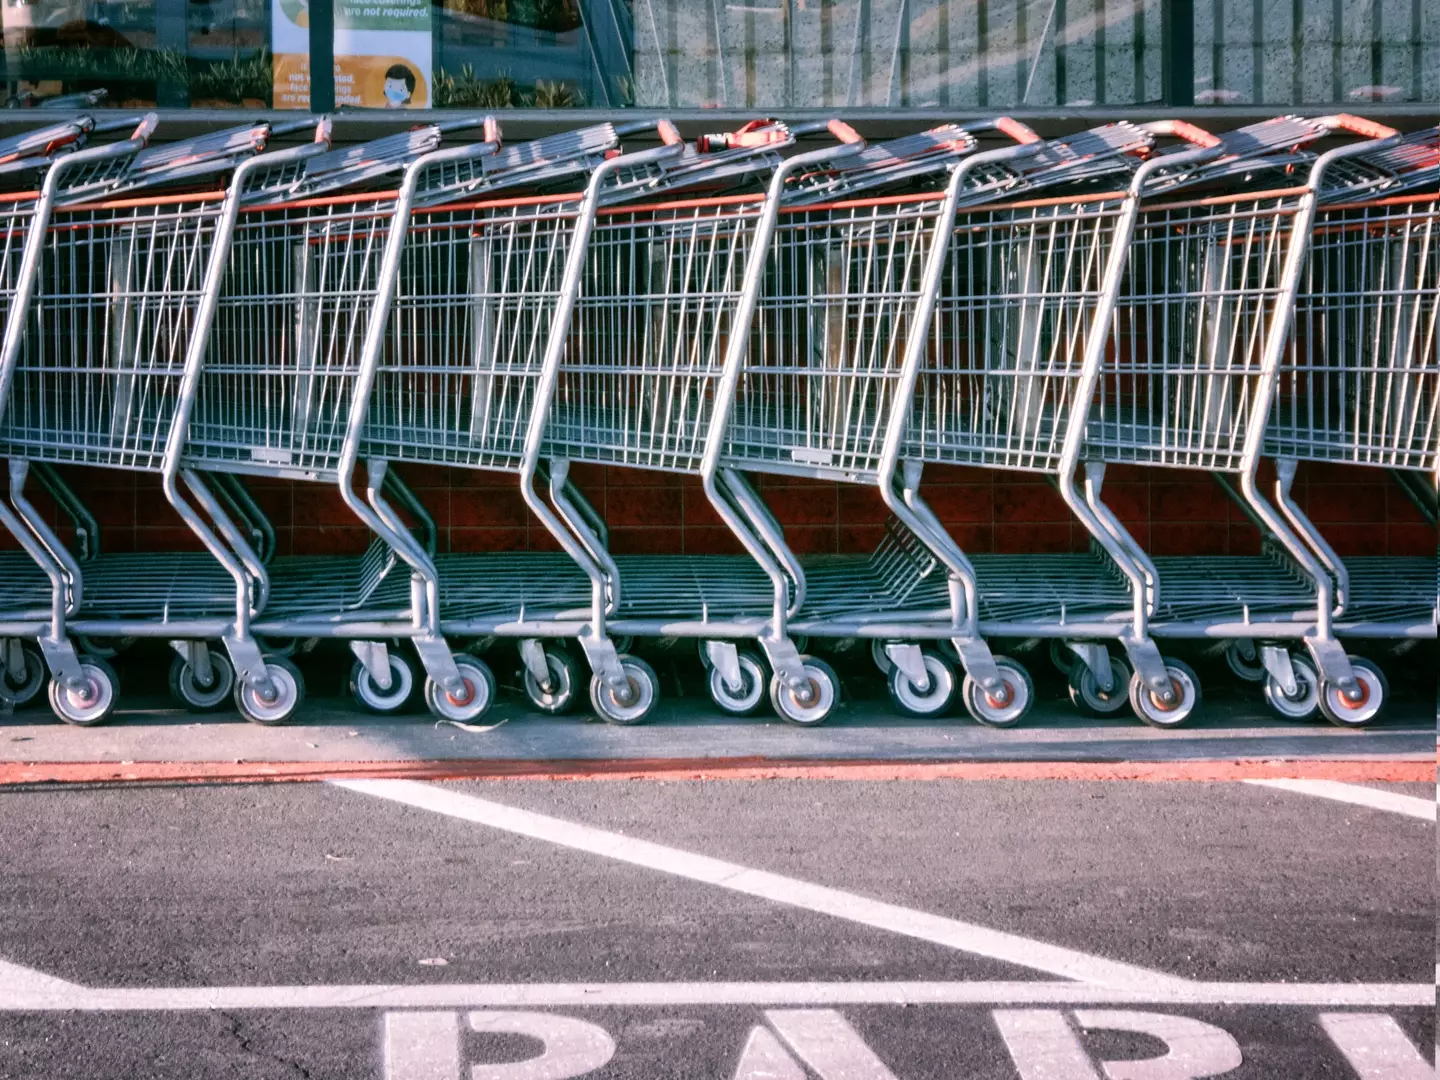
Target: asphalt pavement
[{"x": 839, "y": 930}]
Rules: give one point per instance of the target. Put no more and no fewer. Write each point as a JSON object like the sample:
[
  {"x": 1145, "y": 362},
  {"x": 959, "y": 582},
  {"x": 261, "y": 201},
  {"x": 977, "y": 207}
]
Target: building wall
[{"x": 1360, "y": 511}]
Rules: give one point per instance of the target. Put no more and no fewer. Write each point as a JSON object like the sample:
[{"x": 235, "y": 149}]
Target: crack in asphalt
[{"x": 245, "y": 1045}]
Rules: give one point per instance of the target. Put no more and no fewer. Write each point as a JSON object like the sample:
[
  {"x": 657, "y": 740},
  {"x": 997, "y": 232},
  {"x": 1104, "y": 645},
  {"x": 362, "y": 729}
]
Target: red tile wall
[{"x": 1360, "y": 511}]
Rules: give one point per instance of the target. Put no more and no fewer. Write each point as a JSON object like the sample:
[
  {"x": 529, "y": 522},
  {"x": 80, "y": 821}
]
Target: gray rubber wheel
[
  {"x": 936, "y": 700},
  {"x": 1085, "y": 692},
  {"x": 1006, "y": 706},
  {"x": 1148, "y": 706},
  {"x": 1305, "y": 702},
  {"x": 635, "y": 703},
  {"x": 750, "y": 697},
  {"x": 371, "y": 698},
  {"x": 29, "y": 686},
  {"x": 1243, "y": 667},
  {"x": 565, "y": 678},
  {"x": 1366, "y": 707},
  {"x": 287, "y": 697},
  {"x": 91, "y": 703},
  {"x": 816, "y": 704},
  {"x": 475, "y": 697},
  {"x": 187, "y": 690}
]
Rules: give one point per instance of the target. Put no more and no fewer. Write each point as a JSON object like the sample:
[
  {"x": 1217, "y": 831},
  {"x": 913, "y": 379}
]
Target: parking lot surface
[{"x": 1045, "y": 930}]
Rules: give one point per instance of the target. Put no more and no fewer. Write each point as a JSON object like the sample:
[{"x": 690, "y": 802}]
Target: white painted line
[
  {"x": 422, "y": 1046},
  {"x": 24, "y": 980},
  {"x": 1374, "y": 798},
  {"x": 1044, "y": 1046},
  {"x": 1376, "y": 1047},
  {"x": 666, "y": 995},
  {"x": 937, "y": 929},
  {"x": 826, "y": 1042}
]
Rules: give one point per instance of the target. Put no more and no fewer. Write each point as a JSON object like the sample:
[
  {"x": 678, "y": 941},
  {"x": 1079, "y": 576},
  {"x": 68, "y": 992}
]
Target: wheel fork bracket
[
  {"x": 375, "y": 657},
  {"x": 1278, "y": 667},
  {"x": 979, "y": 662},
  {"x": 1096, "y": 658},
  {"x": 439, "y": 664},
  {"x": 197, "y": 655},
  {"x": 910, "y": 659},
  {"x": 726, "y": 659},
  {"x": 532, "y": 655}
]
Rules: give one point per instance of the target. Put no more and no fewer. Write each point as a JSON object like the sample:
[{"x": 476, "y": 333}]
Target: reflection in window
[
  {"x": 1317, "y": 52},
  {"x": 739, "y": 54}
]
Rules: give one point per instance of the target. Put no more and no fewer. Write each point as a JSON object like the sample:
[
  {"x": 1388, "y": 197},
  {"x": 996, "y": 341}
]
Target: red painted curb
[{"x": 751, "y": 768}]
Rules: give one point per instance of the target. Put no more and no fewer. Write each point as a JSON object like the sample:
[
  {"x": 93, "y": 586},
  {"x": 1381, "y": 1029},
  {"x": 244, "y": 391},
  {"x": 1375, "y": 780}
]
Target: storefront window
[{"x": 736, "y": 54}]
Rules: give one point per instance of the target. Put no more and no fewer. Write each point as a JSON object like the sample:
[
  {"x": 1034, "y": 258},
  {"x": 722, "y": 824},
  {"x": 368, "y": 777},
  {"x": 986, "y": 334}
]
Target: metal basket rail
[
  {"x": 1391, "y": 596},
  {"x": 1205, "y": 279},
  {"x": 283, "y": 354},
  {"x": 1360, "y": 378},
  {"x": 97, "y": 378},
  {"x": 478, "y": 281},
  {"x": 843, "y": 276},
  {"x": 645, "y": 348},
  {"x": 1021, "y": 285}
]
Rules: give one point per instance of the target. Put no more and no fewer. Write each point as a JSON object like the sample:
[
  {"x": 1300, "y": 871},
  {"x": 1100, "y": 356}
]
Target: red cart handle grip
[
  {"x": 1183, "y": 129},
  {"x": 1021, "y": 133},
  {"x": 1358, "y": 125}
]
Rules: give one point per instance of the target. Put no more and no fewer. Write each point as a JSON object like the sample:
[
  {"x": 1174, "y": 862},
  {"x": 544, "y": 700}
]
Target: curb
[{"x": 743, "y": 768}]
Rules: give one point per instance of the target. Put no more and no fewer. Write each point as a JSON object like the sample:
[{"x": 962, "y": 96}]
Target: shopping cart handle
[
  {"x": 1021, "y": 133},
  {"x": 844, "y": 132},
  {"x": 322, "y": 126},
  {"x": 1358, "y": 125},
  {"x": 1183, "y": 129},
  {"x": 755, "y": 133},
  {"x": 143, "y": 130},
  {"x": 491, "y": 131},
  {"x": 668, "y": 134}
]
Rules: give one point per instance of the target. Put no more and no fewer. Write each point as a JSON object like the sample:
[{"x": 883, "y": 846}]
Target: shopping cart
[
  {"x": 818, "y": 385},
  {"x": 1360, "y": 383},
  {"x": 92, "y": 370},
  {"x": 1028, "y": 263},
  {"x": 648, "y": 380},
  {"x": 280, "y": 390},
  {"x": 1186, "y": 376},
  {"x": 478, "y": 349},
  {"x": 25, "y": 594}
]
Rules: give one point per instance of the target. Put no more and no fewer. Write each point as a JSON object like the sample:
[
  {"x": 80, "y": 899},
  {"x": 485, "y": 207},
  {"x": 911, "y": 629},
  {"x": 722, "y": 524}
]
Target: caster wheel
[
  {"x": 103, "y": 649},
  {"x": 635, "y": 702},
  {"x": 196, "y": 697},
  {"x": 1366, "y": 706},
  {"x": 93, "y": 702},
  {"x": 281, "y": 706},
  {"x": 1005, "y": 706},
  {"x": 1246, "y": 668},
  {"x": 564, "y": 678},
  {"x": 936, "y": 700},
  {"x": 371, "y": 698},
  {"x": 1305, "y": 703},
  {"x": 21, "y": 690},
  {"x": 823, "y": 692},
  {"x": 475, "y": 697},
  {"x": 881, "y": 658},
  {"x": 1085, "y": 692},
  {"x": 1061, "y": 656},
  {"x": 749, "y": 696},
  {"x": 1149, "y": 708}
]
